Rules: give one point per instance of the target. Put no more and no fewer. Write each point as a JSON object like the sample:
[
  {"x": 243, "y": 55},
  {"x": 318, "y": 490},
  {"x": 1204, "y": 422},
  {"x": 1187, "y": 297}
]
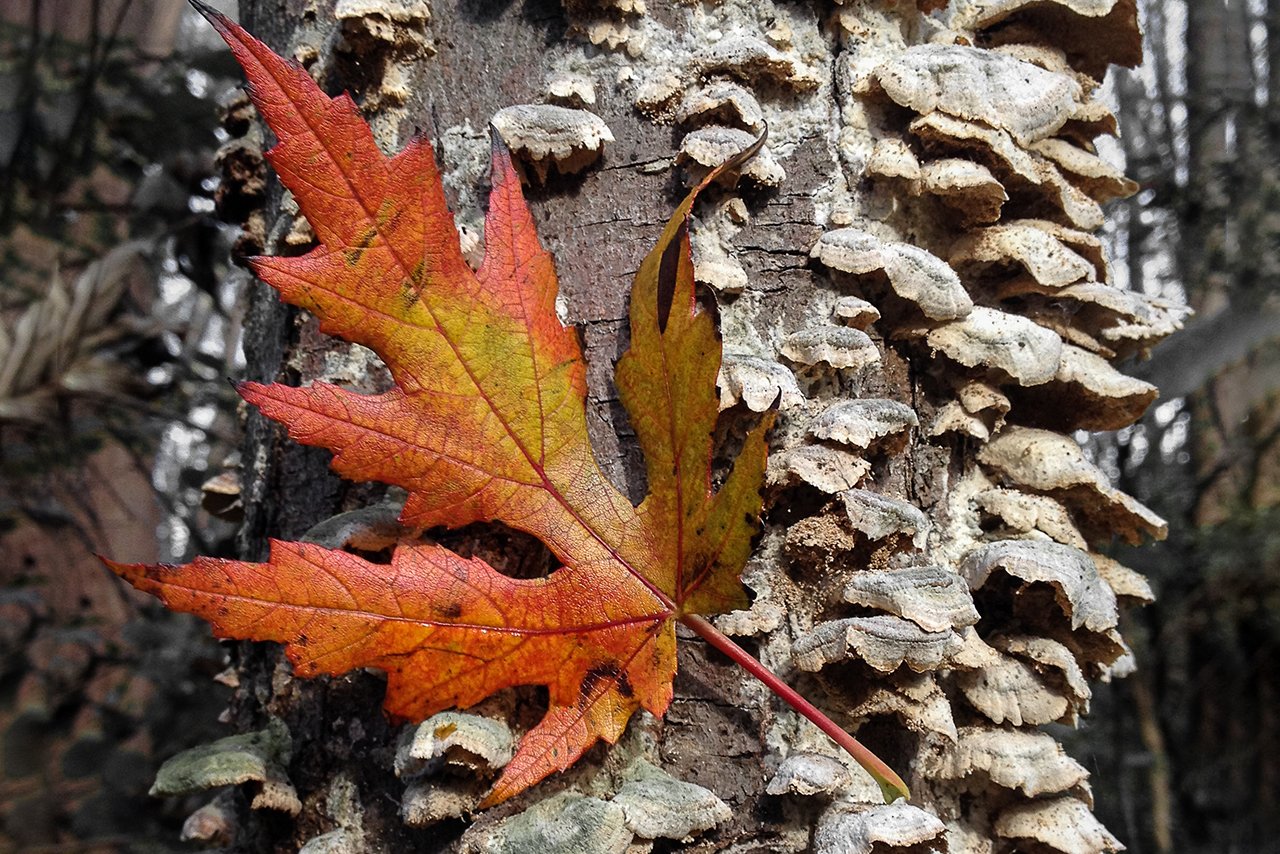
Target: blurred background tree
[
  {"x": 117, "y": 323},
  {"x": 1189, "y": 746}
]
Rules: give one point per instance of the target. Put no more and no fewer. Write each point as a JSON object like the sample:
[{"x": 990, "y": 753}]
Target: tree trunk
[{"x": 895, "y": 149}]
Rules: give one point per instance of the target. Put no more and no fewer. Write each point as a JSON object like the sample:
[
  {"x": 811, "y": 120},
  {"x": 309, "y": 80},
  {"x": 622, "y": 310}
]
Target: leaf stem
[{"x": 891, "y": 785}]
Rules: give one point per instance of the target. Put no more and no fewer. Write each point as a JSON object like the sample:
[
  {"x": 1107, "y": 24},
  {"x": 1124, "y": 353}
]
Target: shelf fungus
[
  {"x": 879, "y": 517},
  {"x": 398, "y": 23},
  {"x": 722, "y": 103},
  {"x": 1087, "y": 393},
  {"x": 884, "y": 642},
  {"x": 933, "y": 598},
  {"x": 827, "y": 469},
  {"x": 1129, "y": 322},
  {"x": 847, "y": 827},
  {"x": 1131, "y": 588},
  {"x": 914, "y": 699},
  {"x": 1012, "y": 690},
  {"x": 471, "y": 741},
  {"x": 970, "y": 83},
  {"x": 1053, "y": 659},
  {"x": 571, "y": 90},
  {"x": 855, "y": 312},
  {"x": 1024, "y": 351},
  {"x": 914, "y": 275},
  {"x": 1055, "y": 198},
  {"x": 656, "y": 805},
  {"x": 544, "y": 135},
  {"x": 1021, "y": 513},
  {"x": 1064, "y": 824},
  {"x": 864, "y": 423},
  {"x": 942, "y": 134},
  {"x": 1093, "y": 175},
  {"x": 757, "y": 383},
  {"x": 475, "y": 745},
  {"x": 1079, "y": 591},
  {"x": 978, "y": 411},
  {"x": 966, "y": 187},
  {"x": 754, "y": 61},
  {"x": 810, "y": 774},
  {"x": 1051, "y": 463},
  {"x": 1094, "y": 33},
  {"x": 893, "y": 158},
  {"x": 1032, "y": 763},
  {"x": 837, "y": 346},
  {"x": 714, "y": 264},
  {"x": 706, "y": 148},
  {"x": 564, "y": 822},
  {"x": 1000, "y": 250},
  {"x": 1091, "y": 120},
  {"x": 257, "y": 758},
  {"x": 428, "y": 802}
]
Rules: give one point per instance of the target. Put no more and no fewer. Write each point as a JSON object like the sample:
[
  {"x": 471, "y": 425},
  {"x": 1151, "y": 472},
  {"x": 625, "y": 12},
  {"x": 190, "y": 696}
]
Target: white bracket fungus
[
  {"x": 1050, "y": 655},
  {"x": 1088, "y": 393},
  {"x": 254, "y": 757},
  {"x": 658, "y": 806},
  {"x": 1095, "y": 176},
  {"x": 754, "y": 61},
  {"x": 566, "y": 823},
  {"x": 992, "y": 147},
  {"x": 757, "y": 383},
  {"x": 852, "y": 828},
  {"x": 966, "y": 187},
  {"x": 879, "y": 517},
  {"x": 915, "y": 699},
  {"x": 395, "y": 22},
  {"x": 1094, "y": 33},
  {"x": 571, "y": 90},
  {"x": 914, "y": 274},
  {"x": 978, "y": 411},
  {"x": 1012, "y": 690},
  {"x": 1060, "y": 824},
  {"x": 1030, "y": 762},
  {"x": 827, "y": 469},
  {"x": 1024, "y": 512},
  {"x": 837, "y": 346},
  {"x": 980, "y": 85},
  {"x": 1131, "y": 588},
  {"x": 884, "y": 642},
  {"x": 722, "y": 103},
  {"x": 1081, "y": 594},
  {"x": 544, "y": 134},
  {"x": 933, "y": 598},
  {"x": 893, "y": 158},
  {"x": 1028, "y": 353},
  {"x": 855, "y": 312},
  {"x": 713, "y": 265},
  {"x": 707, "y": 147},
  {"x": 863, "y": 423},
  {"x": 1020, "y": 245},
  {"x": 1052, "y": 463},
  {"x": 473, "y": 741},
  {"x": 809, "y": 774}
]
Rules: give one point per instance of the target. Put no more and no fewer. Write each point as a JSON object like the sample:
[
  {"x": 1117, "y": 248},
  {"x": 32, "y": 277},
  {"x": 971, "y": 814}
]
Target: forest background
[{"x": 119, "y": 434}]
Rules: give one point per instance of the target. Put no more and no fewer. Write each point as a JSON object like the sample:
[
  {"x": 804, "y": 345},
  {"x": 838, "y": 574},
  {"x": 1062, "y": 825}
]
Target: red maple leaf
[{"x": 486, "y": 422}]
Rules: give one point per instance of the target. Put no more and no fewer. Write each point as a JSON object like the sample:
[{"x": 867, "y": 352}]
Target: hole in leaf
[{"x": 511, "y": 552}]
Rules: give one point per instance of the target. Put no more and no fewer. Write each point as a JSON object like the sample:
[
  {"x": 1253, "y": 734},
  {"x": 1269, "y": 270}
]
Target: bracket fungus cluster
[
  {"x": 989, "y": 618},
  {"x": 938, "y": 320}
]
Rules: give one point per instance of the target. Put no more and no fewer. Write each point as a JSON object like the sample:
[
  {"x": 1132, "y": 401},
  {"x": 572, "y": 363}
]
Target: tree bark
[{"x": 867, "y": 117}]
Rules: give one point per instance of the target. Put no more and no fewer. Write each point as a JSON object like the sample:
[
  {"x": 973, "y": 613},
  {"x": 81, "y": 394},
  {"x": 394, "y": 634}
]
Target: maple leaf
[{"x": 486, "y": 422}]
